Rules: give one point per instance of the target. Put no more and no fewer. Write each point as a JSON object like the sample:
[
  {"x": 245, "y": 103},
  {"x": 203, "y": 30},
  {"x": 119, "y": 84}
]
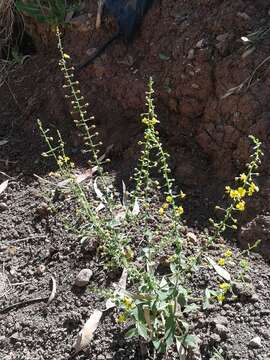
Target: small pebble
[
  {"x": 3, "y": 206},
  {"x": 222, "y": 331},
  {"x": 41, "y": 269},
  {"x": 256, "y": 342},
  {"x": 83, "y": 278}
]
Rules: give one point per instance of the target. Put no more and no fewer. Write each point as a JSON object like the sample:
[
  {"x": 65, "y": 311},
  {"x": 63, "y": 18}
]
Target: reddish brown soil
[{"x": 193, "y": 51}]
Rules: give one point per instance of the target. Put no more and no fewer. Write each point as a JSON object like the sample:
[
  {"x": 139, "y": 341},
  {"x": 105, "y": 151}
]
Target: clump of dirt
[{"x": 194, "y": 53}]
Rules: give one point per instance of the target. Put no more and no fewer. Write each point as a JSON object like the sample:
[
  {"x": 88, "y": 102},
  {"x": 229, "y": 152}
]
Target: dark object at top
[{"x": 129, "y": 15}]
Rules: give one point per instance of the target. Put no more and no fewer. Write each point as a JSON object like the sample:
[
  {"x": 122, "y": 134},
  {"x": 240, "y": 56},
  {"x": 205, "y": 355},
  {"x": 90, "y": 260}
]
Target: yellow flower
[
  {"x": 128, "y": 302},
  {"x": 145, "y": 121},
  {"x": 165, "y": 206},
  {"x": 225, "y": 286},
  {"x": 243, "y": 177},
  {"x": 179, "y": 211},
  {"x": 233, "y": 194},
  {"x": 241, "y": 192},
  {"x": 182, "y": 195},
  {"x": 228, "y": 253},
  {"x": 241, "y": 205},
  {"x": 169, "y": 199},
  {"x": 252, "y": 188},
  {"x": 66, "y": 159},
  {"x": 121, "y": 318},
  {"x": 161, "y": 211},
  {"x": 228, "y": 189},
  {"x": 220, "y": 297},
  {"x": 221, "y": 262},
  {"x": 154, "y": 121},
  {"x": 66, "y": 56}
]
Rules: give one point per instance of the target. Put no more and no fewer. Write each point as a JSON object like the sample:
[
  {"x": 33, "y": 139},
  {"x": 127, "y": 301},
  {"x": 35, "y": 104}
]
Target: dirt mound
[{"x": 194, "y": 53}]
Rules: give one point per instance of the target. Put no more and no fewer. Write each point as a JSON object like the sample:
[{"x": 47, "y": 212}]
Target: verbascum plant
[
  {"x": 238, "y": 196},
  {"x": 79, "y": 110},
  {"x": 154, "y": 157}
]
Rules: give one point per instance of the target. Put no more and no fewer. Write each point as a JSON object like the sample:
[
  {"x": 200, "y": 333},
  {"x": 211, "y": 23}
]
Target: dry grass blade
[
  {"x": 119, "y": 287},
  {"x": 3, "y": 186},
  {"x": 98, "y": 192},
  {"x": 84, "y": 176},
  {"x": 136, "y": 208},
  {"x": 86, "y": 334},
  {"x": 3, "y": 142},
  {"x": 125, "y": 194},
  {"x": 219, "y": 270},
  {"x": 53, "y": 292},
  {"x": 6, "y": 29}
]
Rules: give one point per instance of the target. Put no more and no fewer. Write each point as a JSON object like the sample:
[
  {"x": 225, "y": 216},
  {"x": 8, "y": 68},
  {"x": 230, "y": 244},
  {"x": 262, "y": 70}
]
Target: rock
[
  {"x": 200, "y": 44},
  {"x": 214, "y": 338},
  {"x": 219, "y": 320},
  {"x": 192, "y": 237},
  {"x": 3, "y": 341},
  {"x": 82, "y": 279},
  {"x": 194, "y": 353},
  {"x": 101, "y": 357},
  {"x": 43, "y": 209},
  {"x": 15, "y": 337},
  {"x": 222, "y": 37},
  {"x": 3, "y": 206},
  {"x": 222, "y": 331},
  {"x": 256, "y": 342},
  {"x": 244, "y": 291},
  {"x": 255, "y": 298},
  {"x": 41, "y": 269},
  {"x": 243, "y": 15},
  {"x": 257, "y": 229},
  {"x": 191, "y": 54},
  {"x": 264, "y": 332}
]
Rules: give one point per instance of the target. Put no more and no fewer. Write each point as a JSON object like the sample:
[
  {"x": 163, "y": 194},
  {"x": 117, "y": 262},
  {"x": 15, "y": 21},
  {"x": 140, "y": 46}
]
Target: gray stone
[
  {"x": 258, "y": 228},
  {"x": 256, "y": 342},
  {"x": 222, "y": 331},
  {"x": 191, "y": 54},
  {"x": 3, "y": 206},
  {"x": 264, "y": 332},
  {"x": 201, "y": 43},
  {"x": 219, "y": 320},
  {"x": 101, "y": 357},
  {"x": 83, "y": 278},
  {"x": 244, "y": 291},
  {"x": 222, "y": 37},
  {"x": 214, "y": 338},
  {"x": 255, "y": 298}
]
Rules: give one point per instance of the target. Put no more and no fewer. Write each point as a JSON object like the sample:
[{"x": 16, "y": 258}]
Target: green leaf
[
  {"x": 191, "y": 308},
  {"x": 219, "y": 269},
  {"x": 163, "y": 57},
  {"x": 190, "y": 341},
  {"x": 182, "y": 296},
  {"x": 132, "y": 332},
  {"x": 142, "y": 330},
  {"x": 157, "y": 344},
  {"x": 208, "y": 294},
  {"x": 180, "y": 348},
  {"x": 169, "y": 330}
]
